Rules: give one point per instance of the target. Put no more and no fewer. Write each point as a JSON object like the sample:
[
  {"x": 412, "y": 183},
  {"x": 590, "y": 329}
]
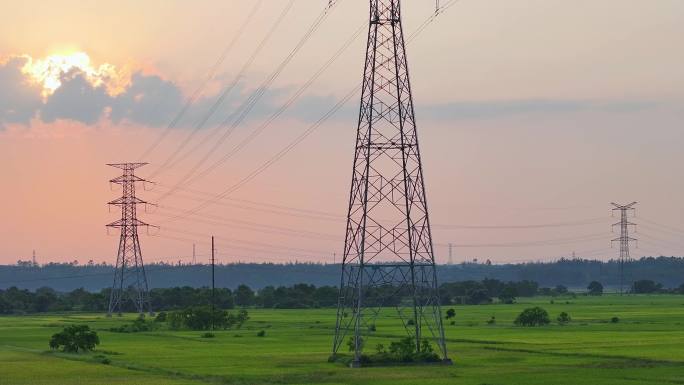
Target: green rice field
[{"x": 646, "y": 346}]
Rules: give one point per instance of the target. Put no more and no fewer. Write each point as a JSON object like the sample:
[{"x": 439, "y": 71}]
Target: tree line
[
  {"x": 574, "y": 273},
  {"x": 299, "y": 296}
]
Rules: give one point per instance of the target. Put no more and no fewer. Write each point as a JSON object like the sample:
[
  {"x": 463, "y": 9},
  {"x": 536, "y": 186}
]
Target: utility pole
[
  {"x": 451, "y": 256},
  {"x": 213, "y": 289},
  {"x": 130, "y": 270},
  {"x": 194, "y": 261},
  {"x": 34, "y": 259},
  {"x": 388, "y": 241},
  {"x": 624, "y": 238}
]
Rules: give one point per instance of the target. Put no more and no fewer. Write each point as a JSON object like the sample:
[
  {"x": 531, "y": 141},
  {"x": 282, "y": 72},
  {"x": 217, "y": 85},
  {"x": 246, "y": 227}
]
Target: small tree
[
  {"x": 595, "y": 288},
  {"x": 478, "y": 297},
  {"x": 563, "y": 318},
  {"x": 508, "y": 295},
  {"x": 451, "y": 313},
  {"x": 646, "y": 286},
  {"x": 244, "y": 296},
  {"x": 74, "y": 338},
  {"x": 534, "y": 316}
]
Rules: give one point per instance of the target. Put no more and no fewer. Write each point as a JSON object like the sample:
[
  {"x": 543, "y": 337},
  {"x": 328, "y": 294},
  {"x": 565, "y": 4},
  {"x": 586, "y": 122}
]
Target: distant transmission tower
[
  {"x": 129, "y": 277},
  {"x": 624, "y": 238},
  {"x": 388, "y": 258}
]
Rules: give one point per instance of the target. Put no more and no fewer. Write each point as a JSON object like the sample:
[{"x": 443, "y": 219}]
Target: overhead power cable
[
  {"x": 281, "y": 110},
  {"x": 253, "y": 226},
  {"x": 200, "y": 89},
  {"x": 243, "y": 111},
  {"x": 308, "y": 211},
  {"x": 279, "y": 155},
  {"x": 662, "y": 226},
  {"x": 531, "y": 226},
  {"x": 227, "y": 90},
  {"x": 233, "y": 242},
  {"x": 547, "y": 242}
]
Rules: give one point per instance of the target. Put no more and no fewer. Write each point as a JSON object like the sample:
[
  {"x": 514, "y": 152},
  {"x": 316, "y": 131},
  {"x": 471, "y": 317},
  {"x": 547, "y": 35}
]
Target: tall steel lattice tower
[
  {"x": 624, "y": 238},
  {"x": 388, "y": 259},
  {"x": 129, "y": 277}
]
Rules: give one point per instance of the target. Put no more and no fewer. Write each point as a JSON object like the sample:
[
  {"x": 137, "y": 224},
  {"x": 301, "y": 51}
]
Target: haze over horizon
[{"x": 533, "y": 116}]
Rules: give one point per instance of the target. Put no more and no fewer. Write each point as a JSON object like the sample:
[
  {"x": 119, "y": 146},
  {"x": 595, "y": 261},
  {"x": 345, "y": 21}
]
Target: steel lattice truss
[
  {"x": 388, "y": 255},
  {"x": 624, "y": 238},
  {"x": 129, "y": 277}
]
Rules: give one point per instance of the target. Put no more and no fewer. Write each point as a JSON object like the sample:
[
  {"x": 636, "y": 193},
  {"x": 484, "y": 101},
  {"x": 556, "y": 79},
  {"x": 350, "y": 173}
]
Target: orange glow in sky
[{"x": 48, "y": 72}]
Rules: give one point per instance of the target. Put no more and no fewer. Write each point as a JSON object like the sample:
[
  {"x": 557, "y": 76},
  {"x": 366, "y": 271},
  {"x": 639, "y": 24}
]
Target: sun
[{"x": 49, "y": 72}]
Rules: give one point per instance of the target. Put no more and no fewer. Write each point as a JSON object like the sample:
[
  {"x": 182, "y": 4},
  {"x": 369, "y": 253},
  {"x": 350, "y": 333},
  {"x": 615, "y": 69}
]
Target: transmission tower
[
  {"x": 129, "y": 276},
  {"x": 388, "y": 258},
  {"x": 624, "y": 238}
]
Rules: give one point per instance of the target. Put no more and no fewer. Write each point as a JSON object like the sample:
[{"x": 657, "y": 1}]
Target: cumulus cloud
[
  {"x": 76, "y": 99},
  {"x": 69, "y": 88},
  {"x": 83, "y": 94},
  {"x": 146, "y": 99},
  {"x": 19, "y": 98}
]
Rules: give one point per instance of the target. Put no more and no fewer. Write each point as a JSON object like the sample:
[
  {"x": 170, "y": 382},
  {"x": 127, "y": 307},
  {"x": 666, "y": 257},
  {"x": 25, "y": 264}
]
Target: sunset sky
[{"x": 533, "y": 116}]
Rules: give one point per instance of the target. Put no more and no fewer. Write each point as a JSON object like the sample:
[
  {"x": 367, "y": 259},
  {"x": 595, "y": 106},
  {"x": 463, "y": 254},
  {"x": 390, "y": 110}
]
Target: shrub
[
  {"x": 452, "y": 323},
  {"x": 451, "y": 313},
  {"x": 478, "y": 297},
  {"x": 139, "y": 325},
  {"x": 614, "y": 320},
  {"x": 595, "y": 288},
  {"x": 101, "y": 358},
  {"x": 410, "y": 322},
  {"x": 161, "y": 317},
  {"x": 208, "y": 335},
  {"x": 201, "y": 318},
  {"x": 261, "y": 333},
  {"x": 372, "y": 328},
  {"x": 405, "y": 350},
  {"x": 646, "y": 286},
  {"x": 508, "y": 295},
  {"x": 534, "y": 316},
  {"x": 563, "y": 318},
  {"x": 74, "y": 338},
  {"x": 491, "y": 321}
]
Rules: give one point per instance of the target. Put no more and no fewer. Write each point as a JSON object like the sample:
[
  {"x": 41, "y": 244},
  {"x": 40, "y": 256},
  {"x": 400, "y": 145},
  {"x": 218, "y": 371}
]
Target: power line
[
  {"x": 530, "y": 226},
  {"x": 246, "y": 204},
  {"x": 199, "y": 90},
  {"x": 281, "y": 110},
  {"x": 227, "y": 90},
  {"x": 548, "y": 242},
  {"x": 662, "y": 226},
  {"x": 254, "y": 226},
  {"x": 253, "y": 99},
  {"x": 260, "y": 244},
  {"x": 289, "y": 147}
]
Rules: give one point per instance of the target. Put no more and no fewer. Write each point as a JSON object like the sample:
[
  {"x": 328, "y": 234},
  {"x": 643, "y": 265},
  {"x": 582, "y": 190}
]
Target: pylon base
[{"x": 355, "y": 364}]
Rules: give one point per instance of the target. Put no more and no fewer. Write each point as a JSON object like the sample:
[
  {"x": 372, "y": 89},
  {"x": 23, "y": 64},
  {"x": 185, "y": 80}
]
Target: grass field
[{"x": 645, "y": 347}]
